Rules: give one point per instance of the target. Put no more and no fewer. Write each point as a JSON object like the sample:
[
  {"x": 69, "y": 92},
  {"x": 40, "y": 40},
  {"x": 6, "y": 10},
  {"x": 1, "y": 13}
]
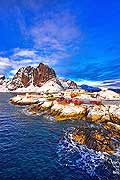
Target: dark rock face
[
  {"x": 22, "y": 78},
  {"x": 27, "y": 75},
  {"x": 42, "y": 74},
  {"x": 2, "y": 77},
  {"x": 72, "y": 84}
]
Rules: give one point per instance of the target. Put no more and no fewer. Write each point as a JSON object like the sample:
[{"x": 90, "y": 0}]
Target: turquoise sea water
[{"x": 36, "y": 148}]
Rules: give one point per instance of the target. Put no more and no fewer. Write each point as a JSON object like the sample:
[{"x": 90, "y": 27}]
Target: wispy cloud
[
  {"x": 4, "y": 63},
  {"x": 24, "y": 53},
  {"x": 54, "y": 34},
  {"x": 24, "y": 57},
  {"x": 57, "y": 33}
]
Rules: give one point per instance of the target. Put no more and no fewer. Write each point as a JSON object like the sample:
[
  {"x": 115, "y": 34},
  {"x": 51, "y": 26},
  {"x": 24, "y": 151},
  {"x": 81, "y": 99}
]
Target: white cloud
[
  {"x": 56, "y": 33},
  {"x": 4, "y": 62},
  {"x": 14, "y": 71},
  {"x": 56, "y": 36},
  {"x": 24, "y": 53},
  {"x": 89, "y": 83}
]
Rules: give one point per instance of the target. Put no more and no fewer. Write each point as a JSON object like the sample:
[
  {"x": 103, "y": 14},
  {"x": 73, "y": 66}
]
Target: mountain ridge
[{"x": 30, "y": 77}]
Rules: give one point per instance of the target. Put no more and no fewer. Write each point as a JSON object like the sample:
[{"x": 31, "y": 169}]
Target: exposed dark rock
[
  {"x": 27, "y": 75},
  {"x": 42, "y": 74},
  {"x": 104, "y": 139}
]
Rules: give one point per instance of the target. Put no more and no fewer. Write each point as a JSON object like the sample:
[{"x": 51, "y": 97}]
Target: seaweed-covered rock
[
  {"x": 114, "y": 128},
  {"x": 104, "y": 139}
]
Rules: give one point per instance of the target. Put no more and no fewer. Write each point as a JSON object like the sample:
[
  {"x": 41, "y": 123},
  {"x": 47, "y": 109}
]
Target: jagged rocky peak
[
  {"x": 29, "y": 75},
  {"x": 67, "y": 83},
  {"x": 42, "y": 74},
  {"x": 2, "y": 76},
  {"x": 22, "y": 78}
]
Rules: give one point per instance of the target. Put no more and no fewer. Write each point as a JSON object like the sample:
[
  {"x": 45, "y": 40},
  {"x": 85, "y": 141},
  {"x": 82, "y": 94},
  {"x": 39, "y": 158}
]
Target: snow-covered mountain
[
  {"x": 42, "y": 78},
  {"x": 29, "y": 75},
  {"x": 53, "y": 85},
  {"x": 4, "y": 83}
]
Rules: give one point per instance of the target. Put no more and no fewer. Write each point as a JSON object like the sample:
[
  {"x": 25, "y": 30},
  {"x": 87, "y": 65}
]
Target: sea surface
[{"x": 37, "y": 148}]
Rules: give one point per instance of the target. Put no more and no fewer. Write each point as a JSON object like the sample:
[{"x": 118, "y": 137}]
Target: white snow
[
  {"x": 108, "y": 94},
  {"x": 51, "y": 86},
  {"x": 3, "y": 89}
]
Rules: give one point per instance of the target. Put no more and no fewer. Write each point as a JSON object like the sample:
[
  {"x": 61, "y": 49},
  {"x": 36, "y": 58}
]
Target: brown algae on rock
[{"x": 103, "y": 139}]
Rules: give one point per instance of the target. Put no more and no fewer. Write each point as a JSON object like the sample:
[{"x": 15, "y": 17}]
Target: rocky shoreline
[{"x": 80, "y": 105}]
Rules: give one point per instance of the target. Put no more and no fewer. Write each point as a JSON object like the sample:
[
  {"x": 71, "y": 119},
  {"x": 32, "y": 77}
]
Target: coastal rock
[
  {"x": 98, "y": 113},
  {"x": 108, "y": 94},
  {"x": 56, "y": 109},
  {"x": 46, "y": 105},
  {"x": 23, "y": 100},
  {"x": 37, "y": 108},
  {"x": 73, "y": 112},
  {"x": 98, "y": 139},
  {"x": 114, "y": 112},
  {"x": 63, "y": 112},
  {"x": 114, "y": 128}
]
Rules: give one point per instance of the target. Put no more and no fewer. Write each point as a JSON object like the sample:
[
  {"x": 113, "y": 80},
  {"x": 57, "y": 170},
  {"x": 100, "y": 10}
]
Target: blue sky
[{"x": 80, "y": 39}]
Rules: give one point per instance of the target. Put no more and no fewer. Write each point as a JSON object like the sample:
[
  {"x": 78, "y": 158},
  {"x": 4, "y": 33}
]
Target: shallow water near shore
[{"x": 36, "y": 148}]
